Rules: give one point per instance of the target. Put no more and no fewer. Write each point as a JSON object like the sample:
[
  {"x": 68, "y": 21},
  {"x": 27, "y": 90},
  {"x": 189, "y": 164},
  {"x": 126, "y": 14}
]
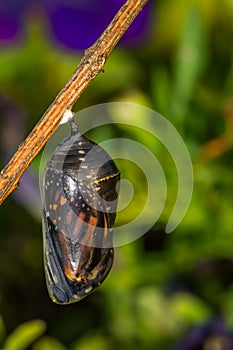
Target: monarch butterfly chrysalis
[{"x": 79, "y": 210}]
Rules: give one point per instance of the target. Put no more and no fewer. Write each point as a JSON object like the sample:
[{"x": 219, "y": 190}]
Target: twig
[{"x": 90, "y": 66}]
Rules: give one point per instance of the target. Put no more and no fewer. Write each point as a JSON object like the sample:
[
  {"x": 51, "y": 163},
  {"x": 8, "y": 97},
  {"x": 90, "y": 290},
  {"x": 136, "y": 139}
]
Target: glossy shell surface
[{"x": 80, "y": 202}]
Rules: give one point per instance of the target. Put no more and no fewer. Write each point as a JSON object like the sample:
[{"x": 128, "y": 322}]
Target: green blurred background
[{"x": 161, "y": 286}]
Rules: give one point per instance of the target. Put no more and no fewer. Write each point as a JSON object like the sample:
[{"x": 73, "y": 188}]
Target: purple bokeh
[
  {"x": 73, "y": 24},
  {"x": 213, "y": 335},
  {"x": 11, "y": 19}
]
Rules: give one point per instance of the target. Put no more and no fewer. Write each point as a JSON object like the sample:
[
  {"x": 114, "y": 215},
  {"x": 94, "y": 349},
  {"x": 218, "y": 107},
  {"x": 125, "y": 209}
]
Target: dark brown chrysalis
[{"x": 80, "y": 201}]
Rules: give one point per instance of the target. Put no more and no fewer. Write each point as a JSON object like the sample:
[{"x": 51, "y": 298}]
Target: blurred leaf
[
  {"x": 92, "y": 341},
  {"x": 227, "y": 301},
  {"x": 160, "y": 315},
  {"x": 188, "y": 64},
  {"x": 154, "y": 317},
  {"x": 2, "y": 330},
  {"x": 123, "y": 324},
  {"x": 161, "y": 89},
  {"x": 48, "y": 343},
  {"x": 24, "y": 335},
  {"x": 188, "y": 308},
  {"x": 117, "y": 76}
]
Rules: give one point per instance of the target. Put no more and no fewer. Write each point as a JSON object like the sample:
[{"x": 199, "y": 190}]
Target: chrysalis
[{"x": 79, "y": 209}]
